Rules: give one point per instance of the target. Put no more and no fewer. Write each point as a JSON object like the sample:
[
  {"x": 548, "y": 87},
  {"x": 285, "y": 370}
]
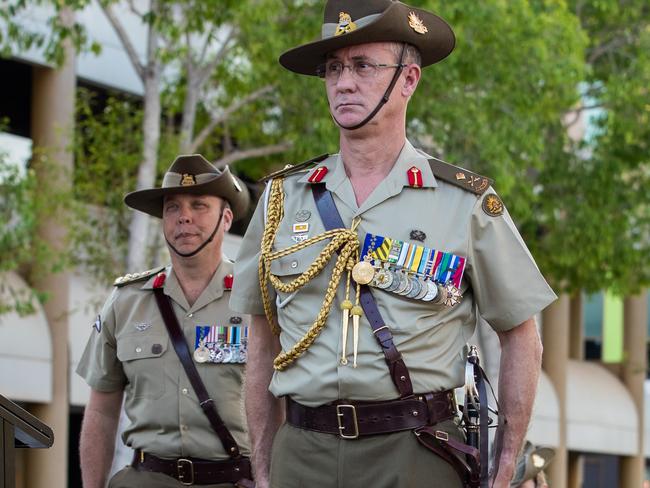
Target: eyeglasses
[{"x": 360, "y": 69}]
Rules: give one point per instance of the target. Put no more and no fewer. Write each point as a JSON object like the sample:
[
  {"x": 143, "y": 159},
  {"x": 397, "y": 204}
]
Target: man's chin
[
  {"x": 349, "y": 119},
  {"x": 186, "y": 248}
]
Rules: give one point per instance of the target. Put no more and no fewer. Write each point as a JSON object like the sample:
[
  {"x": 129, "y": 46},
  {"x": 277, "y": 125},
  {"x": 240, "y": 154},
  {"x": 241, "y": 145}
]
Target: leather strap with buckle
[
  {"x": 193, "y": 471},
  {"x": 350, "y": 420},
  {"x": 397, "y": 369}
]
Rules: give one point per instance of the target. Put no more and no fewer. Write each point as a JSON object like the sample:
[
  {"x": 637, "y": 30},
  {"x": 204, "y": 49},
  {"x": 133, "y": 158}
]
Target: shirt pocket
[
  {"x": 143, "y": 363},
  {"x": 290, "y": 267}
]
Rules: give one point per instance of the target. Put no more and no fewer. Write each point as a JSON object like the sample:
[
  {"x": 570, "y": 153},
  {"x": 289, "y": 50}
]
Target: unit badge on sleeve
[{"x": 492, "y": 205}]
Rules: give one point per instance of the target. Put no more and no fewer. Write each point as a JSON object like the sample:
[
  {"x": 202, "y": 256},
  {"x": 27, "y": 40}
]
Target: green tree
[{"x": 595, "y": 218}]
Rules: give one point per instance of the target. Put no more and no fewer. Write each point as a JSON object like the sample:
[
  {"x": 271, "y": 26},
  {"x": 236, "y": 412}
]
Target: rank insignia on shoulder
[
  {"x": 492, "y": 205},
  {"x": 135, "y": 277},
  {"x": 290, "y": 169},
  {"x": 460, "y": 177}
]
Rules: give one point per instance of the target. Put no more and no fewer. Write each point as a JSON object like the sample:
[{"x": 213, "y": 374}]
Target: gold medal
[
  {"x": 453, "y": 295},
  {"x": 201, "y": 354},
  {"x": 363, "y": 272}
]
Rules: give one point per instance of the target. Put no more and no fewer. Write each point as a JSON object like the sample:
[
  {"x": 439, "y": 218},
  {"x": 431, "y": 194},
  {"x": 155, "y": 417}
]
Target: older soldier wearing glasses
[{"x": 365, "y": 272}]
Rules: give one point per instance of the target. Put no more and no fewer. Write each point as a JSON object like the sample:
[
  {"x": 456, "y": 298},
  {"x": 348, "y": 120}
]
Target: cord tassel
[
  {"x": 356, "y": 314},
  {"x": 346, "y": 306}
]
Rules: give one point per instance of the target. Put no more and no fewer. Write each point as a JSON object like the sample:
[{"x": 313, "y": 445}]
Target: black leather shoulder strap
[
  {"x": 183, "y": 352},
  {"x": 398, "y": 371}
]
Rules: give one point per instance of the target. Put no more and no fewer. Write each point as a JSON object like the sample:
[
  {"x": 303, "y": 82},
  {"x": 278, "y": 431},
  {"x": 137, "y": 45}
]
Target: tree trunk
[
  {"x": 189, "y": 111},
  {"x": 139, "y": 228}
]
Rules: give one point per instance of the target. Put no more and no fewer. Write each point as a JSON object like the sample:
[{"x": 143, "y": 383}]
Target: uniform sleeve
[
  {"x": 246, "y": 296},
  {"x": 507, "y": 284},
  {"x": 99, "y": 365}
]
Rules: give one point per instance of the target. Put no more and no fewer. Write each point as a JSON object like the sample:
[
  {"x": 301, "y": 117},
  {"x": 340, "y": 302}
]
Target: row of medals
[
  {"x": 202, "y": 354},
  {"x": 402, "y": 283}
]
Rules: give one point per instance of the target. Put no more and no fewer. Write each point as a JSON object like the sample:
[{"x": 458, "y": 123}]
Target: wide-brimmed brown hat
[
  {"x": 350, "y": 22},
  {"x": 192, "y": 174},
  {"x": 530, "y": 462}
]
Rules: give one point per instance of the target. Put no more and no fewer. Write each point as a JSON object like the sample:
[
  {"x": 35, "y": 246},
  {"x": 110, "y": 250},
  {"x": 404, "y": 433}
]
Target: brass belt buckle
[
  {"x": 183, "y": 465},
  {"x": 340, "y": 415}
]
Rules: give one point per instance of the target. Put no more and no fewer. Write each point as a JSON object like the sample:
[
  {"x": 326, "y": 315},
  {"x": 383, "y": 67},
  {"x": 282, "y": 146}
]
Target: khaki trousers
[
  {"x": 131, "y": 478},
  {"x": 306, "y": 459}
]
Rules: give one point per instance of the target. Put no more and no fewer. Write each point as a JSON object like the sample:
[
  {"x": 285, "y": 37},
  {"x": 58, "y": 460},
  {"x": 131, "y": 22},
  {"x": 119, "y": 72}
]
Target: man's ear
[
  {"x": 227, "y": 218},
  {"x": 412, "y": 74}
]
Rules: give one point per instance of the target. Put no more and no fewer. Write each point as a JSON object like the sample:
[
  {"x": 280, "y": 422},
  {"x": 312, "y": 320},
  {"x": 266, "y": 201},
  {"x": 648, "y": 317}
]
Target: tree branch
[
  {"x": 205, "y": 132},
  {"x": 134, "y": 9},
  {"x": 251, "y": 153},
  {"x": 223, "y": 50},
  {"x": 125, "y": 40},
  {"x": 204, "y": 48}
]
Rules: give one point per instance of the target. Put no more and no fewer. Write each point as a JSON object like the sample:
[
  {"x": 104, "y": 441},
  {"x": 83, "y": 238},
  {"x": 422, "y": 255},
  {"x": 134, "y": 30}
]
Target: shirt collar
[
  {"x": 408, "y": 157},
  {"x": 214, "y": 290}
]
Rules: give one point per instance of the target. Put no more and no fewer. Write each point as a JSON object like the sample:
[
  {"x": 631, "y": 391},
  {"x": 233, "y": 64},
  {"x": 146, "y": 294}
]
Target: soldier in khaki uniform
[
  {"x": 130, "y": 352},
  {"x": 436, "y": 247}
]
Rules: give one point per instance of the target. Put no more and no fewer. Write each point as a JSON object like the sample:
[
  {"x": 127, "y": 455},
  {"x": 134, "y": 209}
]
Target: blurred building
[{"x": 593, "y": 412}]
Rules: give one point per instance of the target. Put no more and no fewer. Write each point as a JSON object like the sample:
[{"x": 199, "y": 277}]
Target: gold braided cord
[
  {"x": 274, "y": 214},
  {"x": 343, "y": 241}
]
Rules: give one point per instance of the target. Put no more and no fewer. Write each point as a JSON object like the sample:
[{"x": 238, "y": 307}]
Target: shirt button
[
  {"x": 190, "y": 315},
  {"x": 294, "y": 264},
  {"x": 185, "y": 391},
  {"x": 138, "y": 349}
]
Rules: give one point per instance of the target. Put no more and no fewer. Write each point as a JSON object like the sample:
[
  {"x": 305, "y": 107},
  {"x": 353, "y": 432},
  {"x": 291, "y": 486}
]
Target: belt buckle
[
  {"x": 181, "y": 466},
  {"x": 340, "y": 415}
]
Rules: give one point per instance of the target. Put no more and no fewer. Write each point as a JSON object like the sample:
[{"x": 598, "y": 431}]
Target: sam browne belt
[
  {"x": 353, "y": 419},
  {"x": 193, "y": 471}
]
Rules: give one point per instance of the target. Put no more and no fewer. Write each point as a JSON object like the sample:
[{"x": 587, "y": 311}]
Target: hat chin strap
[
  {"x": 198, "y": 249},
  {"x": 384, "y": 99}
]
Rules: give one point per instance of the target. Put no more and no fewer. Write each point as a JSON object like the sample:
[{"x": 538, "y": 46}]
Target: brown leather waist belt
[
  {"x": 353, "y": 419},
  {"x": 193, "y": 471}
]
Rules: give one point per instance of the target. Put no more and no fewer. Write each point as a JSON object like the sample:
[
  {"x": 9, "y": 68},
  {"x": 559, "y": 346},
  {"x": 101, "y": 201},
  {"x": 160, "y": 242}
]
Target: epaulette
[
  {"x": 134, "y": 277},
  {"x": 459, "y": 176},
  {"x": 293, "y": 168}
]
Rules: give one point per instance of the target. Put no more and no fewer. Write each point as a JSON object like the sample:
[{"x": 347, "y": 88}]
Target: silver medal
[
  {"x": 424, "y": 289},
  {"x": 383, "y": 279},
  {"x": 416, "y": 287},
  {"x": 395, "y": 282},
  {"x": 404, "y": 285},
  {"x": 201, "y": 354},
  {"x": 432, "y": 291}
]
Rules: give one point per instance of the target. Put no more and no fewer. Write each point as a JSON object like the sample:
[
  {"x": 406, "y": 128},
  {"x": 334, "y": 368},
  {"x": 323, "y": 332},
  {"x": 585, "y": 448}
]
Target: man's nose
[
  {"x": 346, "y": 79},
  {"x": 184, "y": 216}
]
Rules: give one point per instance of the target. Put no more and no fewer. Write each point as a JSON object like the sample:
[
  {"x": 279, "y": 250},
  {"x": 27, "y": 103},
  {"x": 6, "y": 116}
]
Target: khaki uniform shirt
[
  {"x": 132, "y": 351},
  {"x": 501, "y": 283}
]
